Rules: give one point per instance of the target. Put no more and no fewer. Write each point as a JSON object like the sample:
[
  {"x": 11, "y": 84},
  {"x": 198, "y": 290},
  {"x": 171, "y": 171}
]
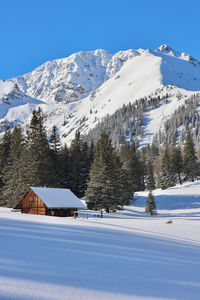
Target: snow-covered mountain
[
  {"x": 78, "y": 91},
  {"x": 72, "y": 78},
  {"x": 15, "y": 105}
]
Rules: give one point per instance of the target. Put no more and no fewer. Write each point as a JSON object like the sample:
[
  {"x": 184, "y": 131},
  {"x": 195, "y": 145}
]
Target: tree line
[
  {"x": 30, "y": 159},
  {"x": 105, "y": 176},
  {"x": 129, "y": 121}
]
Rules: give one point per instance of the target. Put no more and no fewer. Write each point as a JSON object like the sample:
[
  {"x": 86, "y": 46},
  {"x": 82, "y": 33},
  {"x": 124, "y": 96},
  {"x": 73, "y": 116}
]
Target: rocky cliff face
[{"x": 72, "y": 78}]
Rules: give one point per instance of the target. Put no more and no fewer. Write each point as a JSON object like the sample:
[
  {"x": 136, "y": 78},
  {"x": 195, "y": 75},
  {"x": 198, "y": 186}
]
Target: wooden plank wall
[{"x": 32, "y": 204}]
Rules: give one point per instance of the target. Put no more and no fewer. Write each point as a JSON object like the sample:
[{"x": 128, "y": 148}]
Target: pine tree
[
  {"x": 150, "y": 181},
  {"x": 126, "y": 192},
  {"x": 55, "y": 146},
  {"x": 126, "y": 166},
  {"x": 54, "y": 142},
  {"x": 103, "y": 187},
  {"x": 5, "y": 147},
  {"x": 4, "y": 155},
  {"x": 84, "y": 168},
  {"x": 13, "y": 187},
  {"x": 132, "y": 163},
  {"x": 75, "y": 165},
  {"x": 64, "y": 167},
  {"x": 150, "y": 207},
  {"x": 80, "y": 161},
  {"x": 91, "y": 153},
  {"x": 37, "y": 160},
  {"x": 75, "y": 156},
  {"x": 190, "y": 164},
  {"x": 176, "y": 160},
  {"x": 167, "y": 176}
]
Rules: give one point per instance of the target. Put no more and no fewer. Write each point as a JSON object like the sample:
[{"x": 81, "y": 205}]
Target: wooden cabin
[{"x": 49, "y": 201}]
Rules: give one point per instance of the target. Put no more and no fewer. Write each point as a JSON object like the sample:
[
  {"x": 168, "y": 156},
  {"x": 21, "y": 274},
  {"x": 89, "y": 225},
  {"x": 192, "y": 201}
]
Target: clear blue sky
[{"x": 34, "y": 31}]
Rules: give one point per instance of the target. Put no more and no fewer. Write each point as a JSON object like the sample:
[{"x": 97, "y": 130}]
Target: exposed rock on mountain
[{"x": 82, "y": 89}]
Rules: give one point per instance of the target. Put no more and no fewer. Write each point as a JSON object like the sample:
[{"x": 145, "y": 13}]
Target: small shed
[{"x": 49, "y": 201}]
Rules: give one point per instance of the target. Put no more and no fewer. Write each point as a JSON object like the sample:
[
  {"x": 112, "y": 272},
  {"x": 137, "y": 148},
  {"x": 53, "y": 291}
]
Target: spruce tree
[
  {"x": 85, "y": 164},
  {"x": 37, "y": 159},
  {"x": 13, "y": 187},
  {"x": 150, "y": 207},
  {"x": 55, "y": 146},
  {"x": 4, "y": 155},
  {"x": 126, "y": 192},
  {"x": 150, "y": 180},
  {"x": 133, "y": 165},
  {"x": 79, "y": 165},
  {"x": 75, "y": 157},
  {"x": 190, "y": 164},
  {"x": 5, "y": 147},
  {"x": 125, "y": 157},
  {"x": 54, "y": 142},
  {"x": 176, "y": 160},
  {"x": 136, "y": 169},
  {"x": 91, "y": 153},
  {"x": 64, "y": 167},
  {"x": 167, "y": 176},
  {"x": 103, "y": 187}
]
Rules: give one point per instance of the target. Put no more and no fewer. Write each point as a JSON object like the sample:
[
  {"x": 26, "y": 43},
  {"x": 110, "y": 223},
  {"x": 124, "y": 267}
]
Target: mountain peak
[
  {"x": 166, "y": 49},
  {"x": 80, "y": 90}
]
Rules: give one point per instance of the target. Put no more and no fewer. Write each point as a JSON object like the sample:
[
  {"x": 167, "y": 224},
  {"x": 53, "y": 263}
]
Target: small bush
[{"x": 169, "y": 222}]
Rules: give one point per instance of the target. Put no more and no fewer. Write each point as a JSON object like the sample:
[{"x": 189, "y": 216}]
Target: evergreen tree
[
  {"x": 75, "y": 168},
  {"x": 103, "y": 188},
  {"x": 5, "y": 147},
  {"x": 190, "y": 165},
  {"x": 79, "y": 165},
  {"x": 126, "y": 192},
  {"x": 37, "y": 159},
  {"x": 55, "y": 146},
  {"x": 150, "y": 207},
  {"x": 167, "y": 176},
  {"x": 132, "y": 163},
  {"x": 91, "y": 153},
  {"x": 176, "y": 160},
  {"x": 54, "y": 142},
  {"x": 13, "y": 187},
  {"x": 4, "y": 155},
  {"x": 64, "y": 168},
  {"x": 150, "y": 181}
]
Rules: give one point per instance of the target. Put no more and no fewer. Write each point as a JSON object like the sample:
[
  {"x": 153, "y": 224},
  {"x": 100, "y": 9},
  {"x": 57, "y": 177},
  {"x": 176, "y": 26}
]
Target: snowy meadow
[{"x": 125, "y": 255}]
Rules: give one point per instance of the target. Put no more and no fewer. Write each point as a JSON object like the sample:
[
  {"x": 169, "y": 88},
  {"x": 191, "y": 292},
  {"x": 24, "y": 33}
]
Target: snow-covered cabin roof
[{"x": 58, "y": 198}]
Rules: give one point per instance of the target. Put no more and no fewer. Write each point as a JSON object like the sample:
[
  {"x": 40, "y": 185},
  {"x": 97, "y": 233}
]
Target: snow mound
[{"x": 180, "y": 199}]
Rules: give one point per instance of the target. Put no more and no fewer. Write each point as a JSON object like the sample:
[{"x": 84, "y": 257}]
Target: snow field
[{"x": 125, "y": 255}]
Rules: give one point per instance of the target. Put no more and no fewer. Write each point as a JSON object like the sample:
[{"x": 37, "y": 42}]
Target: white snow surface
[
  {"x": 125, "y": 255},
  {"x": 56, "y": 197},
  {"x": 15, "y": 106},
  {"x": 74, "y": 77},
  {"x": 78, "y": 91},
  {"x": 6, "y": 88}
]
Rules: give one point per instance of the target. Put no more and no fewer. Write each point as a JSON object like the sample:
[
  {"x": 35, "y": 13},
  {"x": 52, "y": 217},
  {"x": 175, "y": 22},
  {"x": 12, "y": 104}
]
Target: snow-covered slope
[
  {"x": 179, "y": 199},
  {"x": 149, "y": 73},
  {"x": 126, "y": 255},
  {"x": 80, "y": 90},
  {"x": 15, "y": 105},
  {"x": 72, "y": 78}
]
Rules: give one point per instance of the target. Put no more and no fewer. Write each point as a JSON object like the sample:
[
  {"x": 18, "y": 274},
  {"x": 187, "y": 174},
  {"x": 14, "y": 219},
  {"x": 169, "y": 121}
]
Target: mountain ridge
[{"x": 80, "y": 90}]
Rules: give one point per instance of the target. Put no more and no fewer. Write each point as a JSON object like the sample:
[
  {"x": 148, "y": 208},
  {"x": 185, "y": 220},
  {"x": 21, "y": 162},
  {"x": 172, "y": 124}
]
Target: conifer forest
[{"x": 106, "y": 177}]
